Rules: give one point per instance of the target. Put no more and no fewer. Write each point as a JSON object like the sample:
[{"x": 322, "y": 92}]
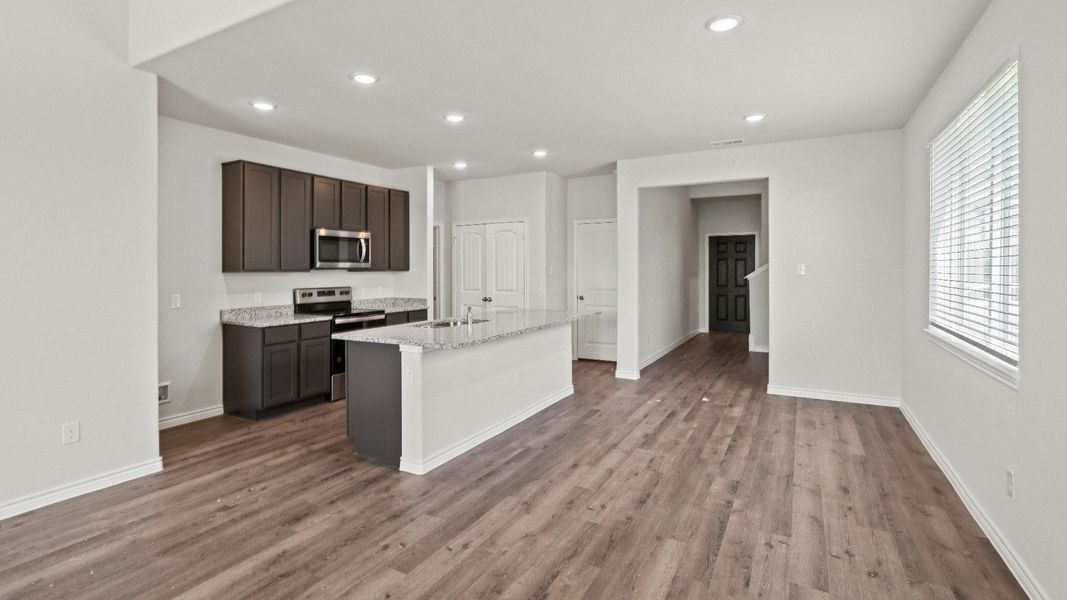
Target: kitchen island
[{"x": 418, "y": 396}]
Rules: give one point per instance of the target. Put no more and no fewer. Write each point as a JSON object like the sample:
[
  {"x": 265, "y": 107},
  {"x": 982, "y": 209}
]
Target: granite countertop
[
  {"x": 282, "y": 314},
  {"x": 451, "y": 338}
]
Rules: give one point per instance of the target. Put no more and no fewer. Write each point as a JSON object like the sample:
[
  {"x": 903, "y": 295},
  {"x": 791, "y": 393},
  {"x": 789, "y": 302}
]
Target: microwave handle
[{"x": 363, "y": 250}]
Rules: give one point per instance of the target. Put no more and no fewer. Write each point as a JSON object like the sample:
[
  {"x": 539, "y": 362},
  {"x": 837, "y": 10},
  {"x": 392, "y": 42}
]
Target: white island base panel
[{"x": 453, "y": 400}]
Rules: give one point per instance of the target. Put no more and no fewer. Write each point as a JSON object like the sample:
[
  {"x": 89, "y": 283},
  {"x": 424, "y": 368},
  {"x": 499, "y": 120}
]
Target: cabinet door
[
  {"x": 327, "y": 205},
  {"x": 416, "y": 316},
  {"x": 353, "y": 206},
  {"x": 398, "y": 230},
  {"x": 280, "y": 376},
  {"x": 378, "y": 226},
  {"x": 396, "y": 318},
  {"x": 314, "y": 367},
  {"x": 260, "y": 218},
  {"x": 295, "y": 221}
]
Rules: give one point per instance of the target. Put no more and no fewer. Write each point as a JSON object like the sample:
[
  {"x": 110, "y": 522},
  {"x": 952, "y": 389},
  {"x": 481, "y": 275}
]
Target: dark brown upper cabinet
[
  {"x": 327, "y": 203},
  {"x": 268, "y": 214},
  {"x": 378, "y": 226},
  {"x": 251, "y": 219},
  {"x": 353, "y": 206},
  {"x": 398, "y": 231},
  {"x": 296, "y": 221}
]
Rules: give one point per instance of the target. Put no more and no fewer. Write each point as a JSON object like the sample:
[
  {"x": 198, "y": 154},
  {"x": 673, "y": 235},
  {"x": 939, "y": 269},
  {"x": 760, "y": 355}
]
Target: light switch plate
[
  {"x": 802, "y": 269},
  {"x": 72, "y": 433},
  {"x": 175, "y": 301}
]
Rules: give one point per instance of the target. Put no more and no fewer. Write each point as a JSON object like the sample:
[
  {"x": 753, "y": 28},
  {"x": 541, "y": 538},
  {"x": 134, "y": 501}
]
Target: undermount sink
[{"x": 448, "y": 323}]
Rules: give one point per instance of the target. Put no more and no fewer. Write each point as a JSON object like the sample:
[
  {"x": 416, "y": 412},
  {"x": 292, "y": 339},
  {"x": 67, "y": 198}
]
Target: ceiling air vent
[{"x": 725, "y": 143}]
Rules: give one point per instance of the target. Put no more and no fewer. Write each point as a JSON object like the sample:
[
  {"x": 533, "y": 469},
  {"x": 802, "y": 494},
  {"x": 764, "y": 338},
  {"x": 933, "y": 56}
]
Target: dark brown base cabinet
[
  {"x": 268, "y": 214},
  {"x": 266, "y": 368}
]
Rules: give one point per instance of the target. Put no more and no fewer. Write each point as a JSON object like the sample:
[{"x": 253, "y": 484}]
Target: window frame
[{"x": 985, "y": 360}]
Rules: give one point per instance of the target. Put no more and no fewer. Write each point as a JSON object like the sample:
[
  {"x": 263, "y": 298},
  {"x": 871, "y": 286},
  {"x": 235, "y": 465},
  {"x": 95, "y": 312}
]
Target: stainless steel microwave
[{"x": 339, "y": 249}]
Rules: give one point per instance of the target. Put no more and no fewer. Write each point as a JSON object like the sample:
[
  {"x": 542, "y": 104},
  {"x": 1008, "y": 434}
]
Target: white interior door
[
  {"x": 596, "y": 269},
  {"x": 468, "y": 268},
  {"x": 505, "y": 273}
]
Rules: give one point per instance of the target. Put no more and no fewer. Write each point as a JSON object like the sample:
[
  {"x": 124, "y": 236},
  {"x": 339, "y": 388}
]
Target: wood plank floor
[{"x": 690, "y": 483}]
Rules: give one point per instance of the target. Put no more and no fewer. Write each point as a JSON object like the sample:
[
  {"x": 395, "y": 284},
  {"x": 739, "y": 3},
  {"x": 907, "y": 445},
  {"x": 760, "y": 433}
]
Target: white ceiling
[{"x": 591, "y": 81}]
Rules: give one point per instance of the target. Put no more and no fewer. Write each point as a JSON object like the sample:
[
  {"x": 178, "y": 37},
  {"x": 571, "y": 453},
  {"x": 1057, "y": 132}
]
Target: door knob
[
  {"x": 485, "y": 299},
  {"x": 490, "y": 298},
  {"x": 581, "y": 297}
]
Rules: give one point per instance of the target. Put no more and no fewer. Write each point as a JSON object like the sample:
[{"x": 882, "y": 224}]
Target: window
[{"x": 974, "y": 223}]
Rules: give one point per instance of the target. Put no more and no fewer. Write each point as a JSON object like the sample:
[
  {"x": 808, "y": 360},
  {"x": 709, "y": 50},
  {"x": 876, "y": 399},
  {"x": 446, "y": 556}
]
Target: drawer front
[
  {"x": 396, "y": 318},
  {"x": 319, "y": 329},
  {"x": 417, "y": 315},
  {"x": 279, "y": 335}
]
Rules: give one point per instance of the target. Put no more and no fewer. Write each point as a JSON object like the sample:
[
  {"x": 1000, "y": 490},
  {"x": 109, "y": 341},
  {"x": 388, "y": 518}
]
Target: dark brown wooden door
[
  {"x": 353, "y": 206},
  {"x": 378, "y": 226},
  {"x": 295, "y": 221},
  {"x": 327, "y": 205},
  {"x": 731, "y": 258},
  {"x": 280, "y": 374},
  {"x": 314, "y": 367},
  {"x": 260, "y": 218},
  {"x": 398, "y": 231}
]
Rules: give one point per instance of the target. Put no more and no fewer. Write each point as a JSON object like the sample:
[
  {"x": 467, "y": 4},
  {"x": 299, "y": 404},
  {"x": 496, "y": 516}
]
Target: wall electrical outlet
[
  {"x": 802, "y": 269},
  {"x": 257, "y": 297},
  {"x": 175, "y": 301},
  {"x": 72, "y": 432},
  {"x": 1011, "y": 484},
  {"x": 409, "y": 375},
  {"x": 164, "y": 392}
]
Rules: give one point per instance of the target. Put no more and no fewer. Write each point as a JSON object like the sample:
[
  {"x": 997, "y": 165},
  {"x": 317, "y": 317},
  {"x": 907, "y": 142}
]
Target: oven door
[
  {"x": 338, "y": 381},
  {"x": 339, "y": 249}
]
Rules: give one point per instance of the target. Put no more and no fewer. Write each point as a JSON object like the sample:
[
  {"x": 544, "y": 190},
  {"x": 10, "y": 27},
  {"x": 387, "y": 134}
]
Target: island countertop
[{"x": 450, "y": 338}]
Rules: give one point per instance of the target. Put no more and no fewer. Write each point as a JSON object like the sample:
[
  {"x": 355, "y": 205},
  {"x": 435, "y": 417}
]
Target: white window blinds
[{"x": 974, "y": 222}]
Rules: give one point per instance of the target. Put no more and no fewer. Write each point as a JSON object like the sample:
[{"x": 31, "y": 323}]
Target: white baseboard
[
  {"x": 658, "y": 355},
  {"x": 1011, "y": 558},
  {"x": 422, "y": 467},
  {"x": 834, "y": 396},
  {"x": 78, "y": 488},
  {"x": 189, "y": 417},
  {"x": 633, "y": 375}
]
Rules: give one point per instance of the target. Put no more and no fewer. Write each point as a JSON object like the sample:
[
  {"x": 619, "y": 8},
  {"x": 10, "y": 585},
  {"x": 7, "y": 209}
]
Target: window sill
[{"x": 997, "y": 369}]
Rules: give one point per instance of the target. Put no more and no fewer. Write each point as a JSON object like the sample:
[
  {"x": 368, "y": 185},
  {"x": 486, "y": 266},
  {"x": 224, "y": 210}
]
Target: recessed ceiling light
[
  {"x": 755, "y": 117},
  {"x": 263, "y": 105},
  {"x": 724, "y": 23},
  {"x": 454, "y": 118},
  {"x": 364, "y": 78},
  {"x": 459, "y": 164},
  {"x": 540, "y": 153}
]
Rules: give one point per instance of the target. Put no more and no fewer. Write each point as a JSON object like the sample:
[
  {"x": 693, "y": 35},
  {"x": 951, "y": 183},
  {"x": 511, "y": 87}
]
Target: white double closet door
[{"x": 489, "y": 268}]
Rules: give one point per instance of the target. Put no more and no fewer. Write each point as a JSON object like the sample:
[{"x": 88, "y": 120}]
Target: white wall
[
  {"x": 555, "y": 242},
  {"x": 77, "y": 250},
  {"x": 980, "y": 427},
  {"x": 190, "y": 251},
  {"x": 440, "y": 218},
  {"x": 741, "y": 188},
  {"x": 668, "y": 267},
  {"x": 525, "y": 196},
  {"x": 834, "y": 204}
]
